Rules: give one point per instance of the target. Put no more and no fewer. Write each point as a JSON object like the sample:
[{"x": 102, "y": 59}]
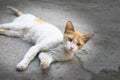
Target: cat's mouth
[{"x": 72, "y": 50}]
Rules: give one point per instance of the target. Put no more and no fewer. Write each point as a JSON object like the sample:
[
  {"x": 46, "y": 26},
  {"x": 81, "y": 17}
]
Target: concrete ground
[{"x": 98, "y": 60}]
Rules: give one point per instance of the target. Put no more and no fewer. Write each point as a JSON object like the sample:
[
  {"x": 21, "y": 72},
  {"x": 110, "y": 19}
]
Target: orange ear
[
  {"x": 87, "y": 37},
  {"x": 69, "y": 26}
]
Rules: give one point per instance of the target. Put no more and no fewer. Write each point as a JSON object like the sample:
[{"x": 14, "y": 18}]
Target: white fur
[
  {"x": 44, "y": 36},
  {"x": 71, "y": 46},
  {"x": 60, "y": 53}
]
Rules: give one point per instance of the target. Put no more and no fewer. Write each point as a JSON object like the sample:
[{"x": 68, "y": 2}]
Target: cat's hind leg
[
  {"x": 45, "y": 60},
  {"x": 11, "y": 33},
  {"x": 13, "y": 26}
]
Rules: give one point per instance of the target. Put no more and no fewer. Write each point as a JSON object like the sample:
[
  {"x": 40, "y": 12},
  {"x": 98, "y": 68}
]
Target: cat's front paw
[
  {"x": 21, "y": 67},
  {"x": 44, "y": 65}
]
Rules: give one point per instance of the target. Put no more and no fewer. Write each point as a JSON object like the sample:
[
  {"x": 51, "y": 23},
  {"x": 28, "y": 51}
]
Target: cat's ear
[
  {"x": 69, "y": 27},
  {"x": 87, "y": 37}
]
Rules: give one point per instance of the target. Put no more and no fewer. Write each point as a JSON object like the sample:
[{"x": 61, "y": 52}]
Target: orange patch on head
[
  {"x": 39, "y": 21},
  {"x": 78, "y": 34}
]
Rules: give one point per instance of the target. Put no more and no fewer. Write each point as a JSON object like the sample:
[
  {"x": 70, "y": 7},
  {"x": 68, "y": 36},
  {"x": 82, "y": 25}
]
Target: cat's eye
[
  {"x": 78, "y": 44},
  {"x": 70, "y": 39}
]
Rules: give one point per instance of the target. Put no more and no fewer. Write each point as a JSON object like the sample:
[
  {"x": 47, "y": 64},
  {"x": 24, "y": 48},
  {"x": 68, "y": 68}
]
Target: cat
[
  {"x": 32, "y": 29},
  {"x": 73, "y": 41}
]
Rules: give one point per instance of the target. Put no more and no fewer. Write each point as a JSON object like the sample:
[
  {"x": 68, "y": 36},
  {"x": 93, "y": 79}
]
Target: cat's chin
[{"x": 71, "y": 51}]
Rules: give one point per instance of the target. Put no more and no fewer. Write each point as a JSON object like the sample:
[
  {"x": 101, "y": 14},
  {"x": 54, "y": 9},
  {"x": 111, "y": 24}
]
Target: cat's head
[{"x": 73, "y": 39}]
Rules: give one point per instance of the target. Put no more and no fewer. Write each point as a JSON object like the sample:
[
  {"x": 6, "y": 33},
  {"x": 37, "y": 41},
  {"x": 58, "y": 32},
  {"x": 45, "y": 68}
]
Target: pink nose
[{"x": 71, "y": 48}]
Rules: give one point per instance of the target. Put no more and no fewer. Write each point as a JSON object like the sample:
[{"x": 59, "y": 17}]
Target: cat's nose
[{"x": 71, "y": 48}]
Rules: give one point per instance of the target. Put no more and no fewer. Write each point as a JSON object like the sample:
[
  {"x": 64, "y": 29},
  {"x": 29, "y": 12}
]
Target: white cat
[
  {"x": 72, "y": 42},
  {"x": 32, "y": 29}
]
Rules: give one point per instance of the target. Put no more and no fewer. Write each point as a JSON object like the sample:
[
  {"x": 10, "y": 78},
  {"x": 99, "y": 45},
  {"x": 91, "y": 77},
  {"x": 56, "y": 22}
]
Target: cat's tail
[{"x": 16, "y": 11}]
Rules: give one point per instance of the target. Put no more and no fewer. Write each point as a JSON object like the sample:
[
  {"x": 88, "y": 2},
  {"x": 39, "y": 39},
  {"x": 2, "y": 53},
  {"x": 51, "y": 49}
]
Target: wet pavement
[{"x": 98, "y": 60}]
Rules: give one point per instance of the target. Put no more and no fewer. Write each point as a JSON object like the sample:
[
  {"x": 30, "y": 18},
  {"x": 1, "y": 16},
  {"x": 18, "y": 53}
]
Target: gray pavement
[{"x": 98, "y": 60}]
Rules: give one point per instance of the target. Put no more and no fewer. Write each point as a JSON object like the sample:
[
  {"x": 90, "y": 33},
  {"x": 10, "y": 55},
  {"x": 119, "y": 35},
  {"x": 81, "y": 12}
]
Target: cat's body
[{"x": 32, "y": 29}]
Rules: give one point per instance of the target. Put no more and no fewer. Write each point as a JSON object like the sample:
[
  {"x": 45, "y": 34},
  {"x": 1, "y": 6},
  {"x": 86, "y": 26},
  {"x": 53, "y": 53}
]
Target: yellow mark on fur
[{"x": 39, "y": 21}]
